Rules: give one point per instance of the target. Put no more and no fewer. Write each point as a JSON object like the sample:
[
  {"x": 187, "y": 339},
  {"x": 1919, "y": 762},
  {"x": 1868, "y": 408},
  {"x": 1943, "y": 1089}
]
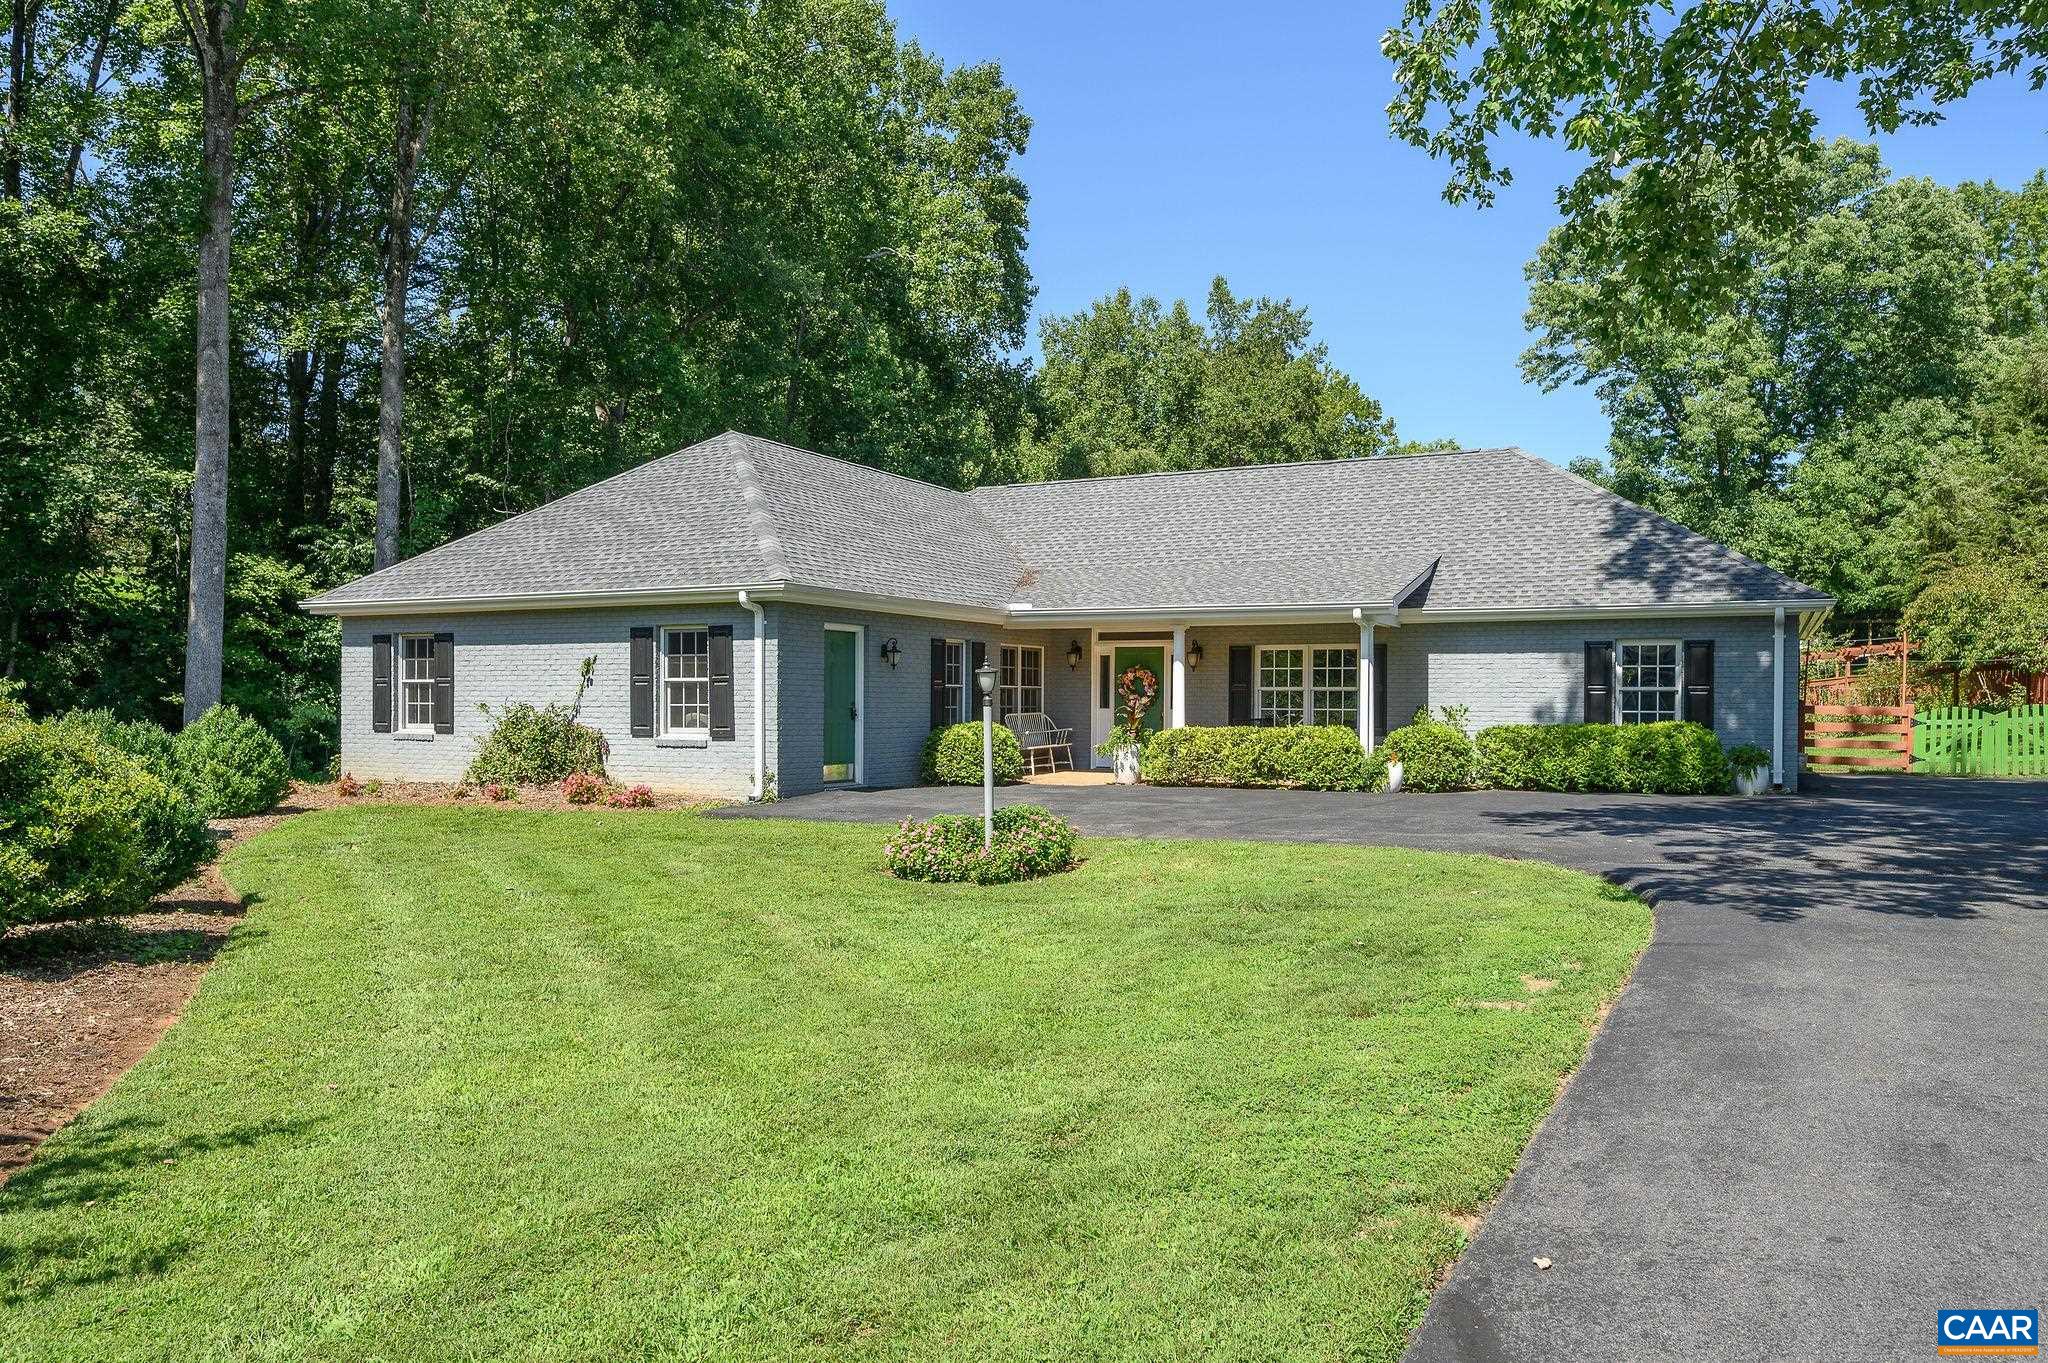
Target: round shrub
[
  {"x": 84, "y": 829},
  {"x": 952, "y": 756},
  {"x": 229, "y": 765},
  {"x": 149, "y": 744},
  {"x": 1433, "y": 754},
  {"x": 1030, "y": 841},
  {"x": 536, "y": 746},
  {"x": 581, "y": 788}
]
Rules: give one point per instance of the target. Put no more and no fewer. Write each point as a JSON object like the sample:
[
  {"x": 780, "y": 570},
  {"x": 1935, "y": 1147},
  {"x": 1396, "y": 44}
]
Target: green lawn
[{"x": 490, "y": 1084}]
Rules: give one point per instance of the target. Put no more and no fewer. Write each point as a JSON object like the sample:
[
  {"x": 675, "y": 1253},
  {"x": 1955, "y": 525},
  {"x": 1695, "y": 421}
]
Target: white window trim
[
  {"x": 405, "y": 723},
  {"x": 662, "y": 728},
  {"x": 1678, "y": 673},
  {"x": 1308, "y": 678},
  {"x": 959, "y": 706},
  {"x": 1002, "y": 691}
]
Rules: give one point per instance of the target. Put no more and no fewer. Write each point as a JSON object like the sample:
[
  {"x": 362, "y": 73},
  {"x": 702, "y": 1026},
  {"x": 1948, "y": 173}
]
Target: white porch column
[
  {"x": 1177, "y": 695},
  {"x": 1778, "y": 697},
  {"x": 1365, "y": 680}
]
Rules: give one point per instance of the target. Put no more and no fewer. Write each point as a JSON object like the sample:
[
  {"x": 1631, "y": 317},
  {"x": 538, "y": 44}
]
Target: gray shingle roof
[{"x": 1500, "y": 529}]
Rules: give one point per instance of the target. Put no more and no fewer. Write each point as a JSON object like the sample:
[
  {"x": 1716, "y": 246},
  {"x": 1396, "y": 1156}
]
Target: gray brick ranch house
[{"x": 764, "y": 614}]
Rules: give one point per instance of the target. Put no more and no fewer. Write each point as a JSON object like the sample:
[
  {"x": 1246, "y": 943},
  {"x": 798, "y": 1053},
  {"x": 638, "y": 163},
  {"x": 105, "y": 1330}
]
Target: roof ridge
[
  {"x": 841, "y": 459},
  {"x": 760, "y": 516},
  {"x": 1359, "y": 459}
]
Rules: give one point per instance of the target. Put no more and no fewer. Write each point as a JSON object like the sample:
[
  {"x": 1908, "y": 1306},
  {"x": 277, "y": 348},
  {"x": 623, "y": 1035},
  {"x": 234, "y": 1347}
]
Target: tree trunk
[
  {"x": 328, "y": 452},
  {"x": 206, "y": 605},
  {"x": 410, "y": 135},
  {"x": 298, "y": 387},
  {"x": 20, "y": 66}
]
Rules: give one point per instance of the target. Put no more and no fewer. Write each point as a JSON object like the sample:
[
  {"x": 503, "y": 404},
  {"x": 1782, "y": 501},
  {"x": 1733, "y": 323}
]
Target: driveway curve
[{"x": 1818, "y": 1112}]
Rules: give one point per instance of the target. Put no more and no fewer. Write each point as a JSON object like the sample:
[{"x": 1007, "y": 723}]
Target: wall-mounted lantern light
[
  {"x": 1194, "y": 653},
  {"x": 1074, "y": 655},
  {"x": 890, "y": 653}
]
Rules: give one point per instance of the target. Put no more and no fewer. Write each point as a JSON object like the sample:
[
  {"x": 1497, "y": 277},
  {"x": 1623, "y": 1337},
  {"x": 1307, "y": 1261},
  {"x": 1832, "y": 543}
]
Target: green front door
[
  {"x": 1153, "y": 660},
  {"x": 842, "y": 710}
]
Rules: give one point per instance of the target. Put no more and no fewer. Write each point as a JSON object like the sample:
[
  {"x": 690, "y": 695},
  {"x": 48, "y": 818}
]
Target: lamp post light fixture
[
  {"x": 1074, "y": 655},
  {"x": 985, "y": 678},
  {"x": 890, "y": 653}
]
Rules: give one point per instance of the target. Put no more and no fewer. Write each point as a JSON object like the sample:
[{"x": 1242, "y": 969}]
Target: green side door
[
  {"x": 842, "y": 663},
  {"x": 1153, "y": 660}
]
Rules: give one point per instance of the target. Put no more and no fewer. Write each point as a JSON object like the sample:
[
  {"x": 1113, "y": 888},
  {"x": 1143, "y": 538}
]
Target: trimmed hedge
[
  {"x": 952, "y": 756},
  {"x": 1434, "y": 755},
  {"x": 229, "y": 765},
  {"x": 1302, "y": 756},
  {"x": 1030, "y": 841},
  {"x": 535, "y": 746},
  {"x": 1671, "y": 758},
  {"x": 85, "y": 830}
]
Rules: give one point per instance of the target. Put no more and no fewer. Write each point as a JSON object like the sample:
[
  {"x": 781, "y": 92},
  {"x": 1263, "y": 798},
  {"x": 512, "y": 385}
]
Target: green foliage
[
  {"x": 1307, "y": 756},
  {"x": 1434, "y": 754},
  {"x": 1695, "y": 122},
  {"x": 1984, "y": 613},
  {"x": 228, "y": 765},
  {"x": 952, "y": 756},
  {"x": 84, "y": 829},
  {"x": 1744, "y": 759},
  {"x": 1027, "y": 841},
  {"x": 1655, "y": 759},
  {"x": 535, "y": 746},
  {"x": 173, "y": 827},
  {"x": 1130, "y": 387}
]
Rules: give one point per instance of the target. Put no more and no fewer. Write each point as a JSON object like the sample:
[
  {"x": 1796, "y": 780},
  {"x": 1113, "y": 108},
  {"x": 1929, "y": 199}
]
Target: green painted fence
[{"x": 1959, "y": 741}]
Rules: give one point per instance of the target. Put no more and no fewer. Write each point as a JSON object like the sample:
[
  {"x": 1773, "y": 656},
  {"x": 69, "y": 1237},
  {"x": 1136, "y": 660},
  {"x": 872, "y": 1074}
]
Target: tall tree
[
  {"x": 1695, "y": 121},
  {"x": 1129, "y": 386}
]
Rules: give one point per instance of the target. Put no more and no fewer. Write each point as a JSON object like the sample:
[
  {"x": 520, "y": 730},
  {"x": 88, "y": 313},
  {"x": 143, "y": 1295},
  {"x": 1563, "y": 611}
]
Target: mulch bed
[{"x": 82, "y": 1002}]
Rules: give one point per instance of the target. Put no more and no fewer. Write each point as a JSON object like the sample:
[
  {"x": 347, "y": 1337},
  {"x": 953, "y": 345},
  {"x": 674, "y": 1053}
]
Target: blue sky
[{"x": 1173, "y": 142}]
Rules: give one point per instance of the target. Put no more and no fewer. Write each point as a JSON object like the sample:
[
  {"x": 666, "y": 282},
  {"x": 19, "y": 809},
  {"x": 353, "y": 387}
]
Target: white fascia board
[
  {"x": 1024, "y": 616},
  {"x": 1443, "y": 615},
  {"x": 658, "y": 596}
]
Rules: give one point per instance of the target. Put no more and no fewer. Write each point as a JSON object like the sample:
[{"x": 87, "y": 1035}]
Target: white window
[
  {"x": 686, "y": 681},
  {"x": 1302, "y": 685},
  {"x": 417, "y": 683},
  {"x": 1281, "y": 698},
  {"x": 1022, "y": 680},
  {"x": 1646, "y": 681},
  {"x": 1333, "y": 686},
  {"x": 954, "y": 674}
]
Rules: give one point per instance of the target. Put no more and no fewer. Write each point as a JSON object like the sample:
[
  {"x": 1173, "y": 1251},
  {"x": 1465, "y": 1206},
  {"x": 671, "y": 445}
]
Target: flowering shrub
[
  {"x": 639, "y": 797},
  {"x": 348, "y": 787},
  {"x": 498, "y": 790},
  {"x": 1029, "y": 841},
  {"x": 1134, "y": 690},
  {"x": 581, "y": 788},
  {"x": 952, "y": 755}
]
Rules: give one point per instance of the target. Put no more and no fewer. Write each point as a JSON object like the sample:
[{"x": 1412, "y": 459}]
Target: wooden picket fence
[
  {"x": 1857, "y": 737},
  {"x": 1961, "y": 741}
]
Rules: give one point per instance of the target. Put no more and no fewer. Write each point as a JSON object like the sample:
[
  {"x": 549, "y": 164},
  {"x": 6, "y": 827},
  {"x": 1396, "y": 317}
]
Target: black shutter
[
  {"x": 977, "y": 654},
  {"x": 720, "y": 641},
  {"x": 1600, "y": 682},
  {"x": 1240, "y": 683},
  {"x": 444, "y": 683},
  {"x": 380, "y": 683},
  {"x": 940, "y": 719},
  {"x": 1379, "y": 691},
  {"x": 1001, "y": 713},
  {"x": 641, "y": 671},
  {"x": 1699, "y": 682}
]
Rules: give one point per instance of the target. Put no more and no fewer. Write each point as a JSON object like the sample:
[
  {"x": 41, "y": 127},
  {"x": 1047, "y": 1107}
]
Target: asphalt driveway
[{"x": 1816, "y": 1115}]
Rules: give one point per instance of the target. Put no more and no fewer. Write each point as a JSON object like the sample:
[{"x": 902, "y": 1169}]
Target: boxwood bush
[
  {"x": 85, "y": 830},
  {"x": 1434, "y": 754},
  {"x": 1029, "y": 841},
  {"x": 535, "y": 746},
  {"x": 229, "y": 765},
  {"x": 952, "y": 756},
  {"x": 1306, "y": 756},
  {"x": 1654, "y": 759}
]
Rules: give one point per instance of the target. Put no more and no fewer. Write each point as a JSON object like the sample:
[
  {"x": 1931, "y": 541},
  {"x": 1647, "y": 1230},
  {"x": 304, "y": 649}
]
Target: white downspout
[
  {"x": 1778, "y": 697},
  {"x": 1177, "y": 707},
  {"x": 1365, "y": 678},
  {"x": 760, "y": 697}
]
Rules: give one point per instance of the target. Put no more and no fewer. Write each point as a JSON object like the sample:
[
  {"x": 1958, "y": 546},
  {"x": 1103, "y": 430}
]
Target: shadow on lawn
[{"x": 99, "y": 1162}]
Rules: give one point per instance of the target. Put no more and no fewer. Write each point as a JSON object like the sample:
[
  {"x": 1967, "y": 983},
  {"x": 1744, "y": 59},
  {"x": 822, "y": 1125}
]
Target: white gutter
[
  {"x": 1445, "y": 614},
  {"x": 760, "y": 696},
  {"x": 1778, "y": 697}
]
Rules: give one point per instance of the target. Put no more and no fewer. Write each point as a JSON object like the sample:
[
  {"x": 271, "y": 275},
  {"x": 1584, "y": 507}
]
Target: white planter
[
  {"x": 1125, "y": 761},
  {"x": 1752, "y": 782},
  {"x": 1394, "y": 777}
]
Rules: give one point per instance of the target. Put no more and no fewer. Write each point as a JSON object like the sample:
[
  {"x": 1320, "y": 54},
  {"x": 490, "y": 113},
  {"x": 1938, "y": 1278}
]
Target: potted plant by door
[
  {"x": 1135, "y": 690},
  {"x": 1752, "y": 769}
]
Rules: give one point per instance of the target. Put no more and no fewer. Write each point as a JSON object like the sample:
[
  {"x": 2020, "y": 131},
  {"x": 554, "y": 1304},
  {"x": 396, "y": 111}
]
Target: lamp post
[{"x": 985, "y": 678}]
